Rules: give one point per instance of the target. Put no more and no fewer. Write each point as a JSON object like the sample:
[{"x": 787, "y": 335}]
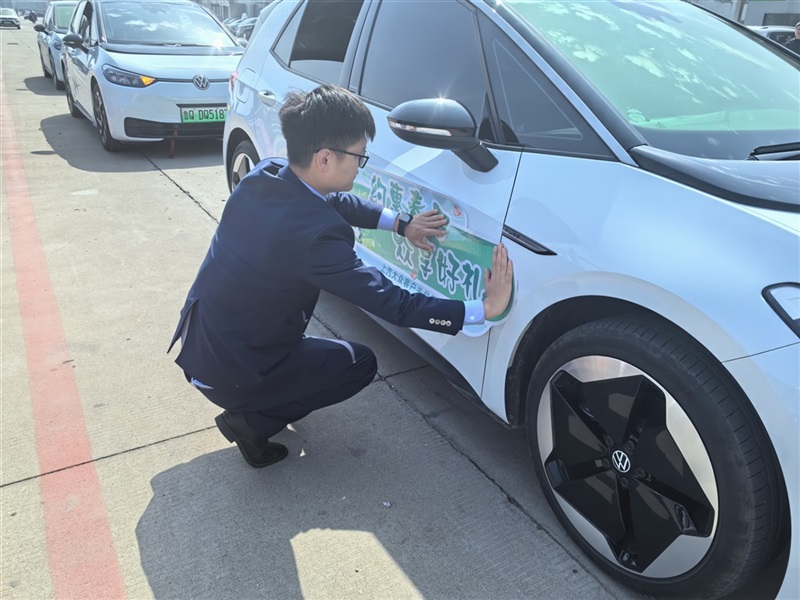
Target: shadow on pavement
[
  {"x": 43, "y": 86},
  {"x": 77, "y": 142}
]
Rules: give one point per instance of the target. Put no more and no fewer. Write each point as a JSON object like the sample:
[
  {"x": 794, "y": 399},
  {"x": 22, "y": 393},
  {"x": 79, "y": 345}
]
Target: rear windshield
[
  {"x": 162, "y": 24},
  {"x": 688, "y": 81},
  {"x": 7, "y": 12}
]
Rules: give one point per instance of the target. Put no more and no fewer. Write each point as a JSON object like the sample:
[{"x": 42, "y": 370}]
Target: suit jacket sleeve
[
  {"x": 354, "y": 210},
  {"x": 331, "y": 264}
]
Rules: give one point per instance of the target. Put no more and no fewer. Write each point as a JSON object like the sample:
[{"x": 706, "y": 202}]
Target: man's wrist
[{"x": 403, "y": 219}]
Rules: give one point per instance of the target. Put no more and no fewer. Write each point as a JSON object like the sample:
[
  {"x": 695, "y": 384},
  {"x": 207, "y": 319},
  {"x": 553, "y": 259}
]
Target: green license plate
[{"x": 210, "y": 114}]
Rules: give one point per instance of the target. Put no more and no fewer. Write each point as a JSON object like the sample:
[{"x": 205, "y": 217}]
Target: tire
[
  {"x": 653, "y": 459},
  {"x": 73, "y": 109},
  {"x": 244, "y": 158},
  {"x": 44, "y": 69},
  {"x": 56, "y": 81},
  {"x": 101, "y": 121}
]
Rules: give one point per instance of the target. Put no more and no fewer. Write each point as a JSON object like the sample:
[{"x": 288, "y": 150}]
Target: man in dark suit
[{"x": 285, "y": 234}]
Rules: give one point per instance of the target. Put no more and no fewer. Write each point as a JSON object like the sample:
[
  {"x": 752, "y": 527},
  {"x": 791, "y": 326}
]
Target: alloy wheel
[{"x": 627, "y": 467}]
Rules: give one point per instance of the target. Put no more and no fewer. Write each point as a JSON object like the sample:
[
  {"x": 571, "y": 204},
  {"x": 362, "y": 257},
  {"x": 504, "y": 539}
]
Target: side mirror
[
  {"x": 441, "y": 123},
  {"x": 40, "y": 28},
  {"x": 73, "y": 40}
]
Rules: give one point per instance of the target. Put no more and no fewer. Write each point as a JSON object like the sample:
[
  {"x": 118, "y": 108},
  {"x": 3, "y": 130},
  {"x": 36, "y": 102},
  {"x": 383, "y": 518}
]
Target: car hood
[
  {"x": 175, "y": 67},
  {"x": 770, "y": 185}
]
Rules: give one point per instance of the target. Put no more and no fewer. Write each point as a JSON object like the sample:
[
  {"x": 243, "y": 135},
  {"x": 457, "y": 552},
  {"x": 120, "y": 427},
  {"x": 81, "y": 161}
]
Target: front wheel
[
  {"x": 44, "y": 69},
  {"x": 101, "y": 120},
  {"x": 244, "y": 158},
  {"x": 652, "y": 458}
]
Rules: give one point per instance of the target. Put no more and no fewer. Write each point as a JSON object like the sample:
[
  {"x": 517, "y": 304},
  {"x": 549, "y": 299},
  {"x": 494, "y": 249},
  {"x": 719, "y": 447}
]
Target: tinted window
[
  {"x": 532, "y": 111},
  {"x": 315, "y": 41},
  {"x": 162, "y": 24},
  {"x": 425, "y": 50}
]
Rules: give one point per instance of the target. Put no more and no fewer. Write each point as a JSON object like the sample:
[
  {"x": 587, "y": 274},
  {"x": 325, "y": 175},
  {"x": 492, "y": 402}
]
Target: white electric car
[{"x": 640, "y": 162}]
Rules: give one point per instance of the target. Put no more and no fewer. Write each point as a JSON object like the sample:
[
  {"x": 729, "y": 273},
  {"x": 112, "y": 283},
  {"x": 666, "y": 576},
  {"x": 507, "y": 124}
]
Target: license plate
[{"x": 210, "y": 114}]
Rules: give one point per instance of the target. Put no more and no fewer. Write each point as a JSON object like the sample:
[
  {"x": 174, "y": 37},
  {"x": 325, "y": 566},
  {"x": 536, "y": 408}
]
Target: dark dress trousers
[{"x": 277, "y": 245}]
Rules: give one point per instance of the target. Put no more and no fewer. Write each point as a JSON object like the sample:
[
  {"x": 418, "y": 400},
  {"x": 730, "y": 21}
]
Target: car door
[
  {"x": 82, "y": 59},
  {"x": 43, "y": 37},
  {"x": 444, "y": 60},
  {"x": 315, "y": 46}
]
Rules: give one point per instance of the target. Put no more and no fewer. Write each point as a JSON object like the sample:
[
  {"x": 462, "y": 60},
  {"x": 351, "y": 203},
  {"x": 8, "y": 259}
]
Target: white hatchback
[
  {"x": 640, "y": 162},
  {"x": 145, "y": 71}
]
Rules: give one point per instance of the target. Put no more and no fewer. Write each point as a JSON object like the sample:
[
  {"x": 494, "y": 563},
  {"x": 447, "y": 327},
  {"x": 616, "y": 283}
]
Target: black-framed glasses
[{"x": 362, "y": 158}]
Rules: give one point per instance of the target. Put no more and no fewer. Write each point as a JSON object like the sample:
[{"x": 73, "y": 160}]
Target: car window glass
[
  {"x": 315, "y": 41},
  {"x": 441, "y": 59},
  {"x": 77, "y": 16},
  {"x": 85, "y": 24},
  {"x": 162, "y": 24},
  {"x": 61, "y": 15},
  {"x": 48, "y": 18},
  {"x": 533, "y": 113}
]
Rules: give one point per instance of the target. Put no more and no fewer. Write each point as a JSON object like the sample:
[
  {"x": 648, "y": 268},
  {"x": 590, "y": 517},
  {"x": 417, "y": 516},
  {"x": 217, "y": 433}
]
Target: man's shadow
[{"x": 369, "y": 499}]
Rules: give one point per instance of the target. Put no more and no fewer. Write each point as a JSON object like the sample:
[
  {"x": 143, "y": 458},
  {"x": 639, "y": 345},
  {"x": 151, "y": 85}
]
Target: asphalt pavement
[{"x": 115, "y": 482}]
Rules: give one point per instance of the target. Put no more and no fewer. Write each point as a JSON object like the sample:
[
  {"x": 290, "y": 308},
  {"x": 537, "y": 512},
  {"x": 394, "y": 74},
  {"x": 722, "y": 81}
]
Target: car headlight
[
  {"x": 57, "y": 45},
  {"x": 126, "y": 78},
  {"x": 784, "y": 298}
]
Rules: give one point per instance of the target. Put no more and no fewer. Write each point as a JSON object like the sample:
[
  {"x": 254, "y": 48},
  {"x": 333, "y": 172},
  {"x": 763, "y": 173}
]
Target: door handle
[{"x": 267, "y": 97}]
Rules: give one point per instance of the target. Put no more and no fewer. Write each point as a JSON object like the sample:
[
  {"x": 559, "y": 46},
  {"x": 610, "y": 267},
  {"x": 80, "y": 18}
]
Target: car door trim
[{"x": 526, "y": 242}]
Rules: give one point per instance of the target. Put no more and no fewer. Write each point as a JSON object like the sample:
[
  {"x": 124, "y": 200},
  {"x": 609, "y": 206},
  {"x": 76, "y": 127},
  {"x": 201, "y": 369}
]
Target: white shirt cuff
[
  {"x": 387, "y": 219},
  {"x": 473, "y": 312}
]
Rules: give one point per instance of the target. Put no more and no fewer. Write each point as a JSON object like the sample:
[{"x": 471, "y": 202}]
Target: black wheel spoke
[{"x": 597, "y": 498}]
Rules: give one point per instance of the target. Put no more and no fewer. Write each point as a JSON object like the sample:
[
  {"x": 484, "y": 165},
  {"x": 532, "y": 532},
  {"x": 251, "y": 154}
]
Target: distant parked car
[
  {"x": 51, "y": 30},
  {"x": 777, "y": 33},
  {"x": 145, "y": 71},
  {"x": 244, "y": 28},
  {"x": 9, "y": 18}
]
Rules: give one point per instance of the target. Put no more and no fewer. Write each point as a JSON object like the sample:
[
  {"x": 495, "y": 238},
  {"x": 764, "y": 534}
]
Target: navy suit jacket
[{"x": 277, "y": 245}]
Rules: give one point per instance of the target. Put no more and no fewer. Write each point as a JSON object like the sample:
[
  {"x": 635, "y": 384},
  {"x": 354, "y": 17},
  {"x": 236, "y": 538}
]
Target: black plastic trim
[
  {"x": 526, "y": 242},
  {"x": 744, "y": 181},
  {"x": 776, "y": 306}
]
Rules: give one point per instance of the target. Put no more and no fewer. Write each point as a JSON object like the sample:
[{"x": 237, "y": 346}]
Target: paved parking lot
[{"x": 115, "y": 483}]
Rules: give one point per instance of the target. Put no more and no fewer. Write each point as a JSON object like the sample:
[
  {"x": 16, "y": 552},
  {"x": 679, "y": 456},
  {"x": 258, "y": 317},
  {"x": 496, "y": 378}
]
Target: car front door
[
  {"x": 442, "y": 59},
  {"x": 43, "y": 37},
  {"x": 82, "y": 59}
]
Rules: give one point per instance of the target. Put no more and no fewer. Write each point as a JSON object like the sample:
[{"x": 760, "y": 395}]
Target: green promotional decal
[{"x": 453, "y": 270}]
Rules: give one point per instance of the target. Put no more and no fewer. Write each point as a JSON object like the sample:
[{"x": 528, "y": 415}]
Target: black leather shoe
[{"x": 257, "y": 451}]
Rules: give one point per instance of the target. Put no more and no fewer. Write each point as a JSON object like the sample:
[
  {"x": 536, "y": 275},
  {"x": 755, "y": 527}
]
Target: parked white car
[
  {"x": 145, "y": 71},
  {"x": 640, "y": 162},
  {"x": 52, "y": 28},
  {"x": 9, "y": 18}
]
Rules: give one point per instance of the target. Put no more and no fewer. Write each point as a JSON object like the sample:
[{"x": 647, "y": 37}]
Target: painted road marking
[{"x": 83, "y": 560}]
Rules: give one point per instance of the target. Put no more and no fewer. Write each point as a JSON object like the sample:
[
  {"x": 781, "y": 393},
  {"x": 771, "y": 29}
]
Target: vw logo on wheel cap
[
  {"x": 200, "y": 82},
  {"x": 621, "y": 461}
]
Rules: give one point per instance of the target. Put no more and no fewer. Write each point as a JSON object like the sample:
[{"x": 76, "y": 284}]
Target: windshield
[
  {"x": 162, "y": 24},
  {"x": 688, "y": 81},
  {"x": 63, "y": 15}
]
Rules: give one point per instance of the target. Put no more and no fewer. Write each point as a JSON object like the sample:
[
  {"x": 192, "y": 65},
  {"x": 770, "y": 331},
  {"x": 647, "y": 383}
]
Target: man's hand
[
  {"x": 498, "y": 282},
  {"x": 423, "y": 226}
]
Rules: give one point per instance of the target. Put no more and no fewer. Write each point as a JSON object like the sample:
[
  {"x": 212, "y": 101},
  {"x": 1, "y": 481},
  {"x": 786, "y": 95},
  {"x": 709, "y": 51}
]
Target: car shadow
[
  {"x": 77, "y": 142},
  {"x": 42, "y": 86}
]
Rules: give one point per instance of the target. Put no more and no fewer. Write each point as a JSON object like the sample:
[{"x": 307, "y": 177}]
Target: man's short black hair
[{"x": 326, "y": 117}]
